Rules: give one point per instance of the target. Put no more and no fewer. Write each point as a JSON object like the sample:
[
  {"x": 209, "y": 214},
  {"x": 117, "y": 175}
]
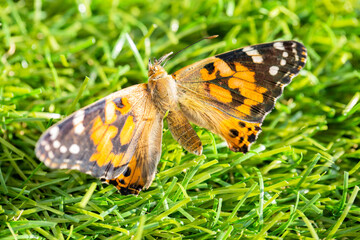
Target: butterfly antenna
[{"x": 173, "y": 55}]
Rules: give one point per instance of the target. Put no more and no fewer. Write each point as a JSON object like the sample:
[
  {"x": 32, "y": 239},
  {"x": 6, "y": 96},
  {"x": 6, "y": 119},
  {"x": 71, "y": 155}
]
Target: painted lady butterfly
[{"x": 118, "y": 138}]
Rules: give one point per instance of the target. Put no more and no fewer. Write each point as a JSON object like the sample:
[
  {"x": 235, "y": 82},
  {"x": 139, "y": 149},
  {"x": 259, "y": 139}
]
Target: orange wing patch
[
  {"x": 210, "y": 72},
  {"x": 103, "y": 133},
  {"x": 111, "y": 108},
  {"x": 127, "y": 131},
  {"x": 243, "y": 73},
  {"x": 221, "y": 94},
  {"x": 236, "y": 82}
]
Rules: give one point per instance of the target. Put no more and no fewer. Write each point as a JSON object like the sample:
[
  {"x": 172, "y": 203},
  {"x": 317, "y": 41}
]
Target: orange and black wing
[
  {"x": 231, "y": 93},
  {"x": 112, "y": 139}
]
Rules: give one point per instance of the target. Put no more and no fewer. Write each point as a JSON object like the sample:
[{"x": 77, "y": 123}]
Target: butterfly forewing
[
  {"x": 103, "y": 139},
  {"x": 239, "y": 86}
]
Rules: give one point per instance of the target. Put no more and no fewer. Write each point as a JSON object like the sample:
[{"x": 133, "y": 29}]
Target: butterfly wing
[
  {"x": 109, "y": 139},
  {"x": 231, "y": 93}
]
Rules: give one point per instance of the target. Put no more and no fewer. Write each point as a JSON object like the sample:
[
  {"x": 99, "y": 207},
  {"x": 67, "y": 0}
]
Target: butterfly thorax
[{"x": 162, "y": 87}]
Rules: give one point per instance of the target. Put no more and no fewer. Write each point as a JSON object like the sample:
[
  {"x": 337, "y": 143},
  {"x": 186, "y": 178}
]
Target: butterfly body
[
  {"x": 118, "y": 138},
  {"x": 162, "y": 88}
]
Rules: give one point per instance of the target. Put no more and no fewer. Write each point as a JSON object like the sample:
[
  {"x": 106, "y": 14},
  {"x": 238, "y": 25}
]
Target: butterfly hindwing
[
  {"x": 238, "y": 88},
  {"x": 108, "y": 139},
  {"x": 142, "y": 167}
]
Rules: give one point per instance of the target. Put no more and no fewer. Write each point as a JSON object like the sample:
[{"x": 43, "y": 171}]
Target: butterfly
[{"x": 118, "y": 138}]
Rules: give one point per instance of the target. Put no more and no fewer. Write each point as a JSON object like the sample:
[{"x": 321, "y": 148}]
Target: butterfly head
[{"x": 157, "y": 66}]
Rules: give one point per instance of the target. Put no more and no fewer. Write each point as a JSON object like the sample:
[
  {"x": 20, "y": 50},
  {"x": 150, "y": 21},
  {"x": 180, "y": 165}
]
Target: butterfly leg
[{"x": 183, "y": 132}]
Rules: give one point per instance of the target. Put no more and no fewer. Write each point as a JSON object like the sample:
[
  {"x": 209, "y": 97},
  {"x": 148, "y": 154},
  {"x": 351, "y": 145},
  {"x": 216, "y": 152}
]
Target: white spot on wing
[
  {"x": 78, "y": 117},
  {"x": 257, "y": 59},
  {"x": 53, "y": 165},
  {"x": 246, "y": 49},
  {"x": 51, "y": 154},
  {"x": 74, "y": 149},
  {"x": 54, "y": 132},
  {"x": 42, "y": 157},
  {"x": 282, "y": 62},
  {"x": 296, "y": 55},
  {"x": 76, "y": 167},
  {"x": 79, "y": 129},
  {"x": 273, "y": 70},
  {"x": 255, "y": 55},
  {"x": 47, "y": 161},
  {"x": 285, "y": 54},
  {"x": 56, "y": 144},
  {"x": 279, "y": 45},
  {"x": 63, "y": 149},
  {"x": 63, "y": 165},
  {"x": 253, "y": 52},
  {"x": 78, "y": 122},
  {"x": 47, "y": 147}
]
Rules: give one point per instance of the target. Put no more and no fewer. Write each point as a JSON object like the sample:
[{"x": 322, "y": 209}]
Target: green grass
[{"x": 300, "y": 181}]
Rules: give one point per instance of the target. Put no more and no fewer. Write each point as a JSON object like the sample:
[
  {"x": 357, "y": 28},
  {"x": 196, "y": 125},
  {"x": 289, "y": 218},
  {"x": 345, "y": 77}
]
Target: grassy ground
[{"x": 300, "y": 181}]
